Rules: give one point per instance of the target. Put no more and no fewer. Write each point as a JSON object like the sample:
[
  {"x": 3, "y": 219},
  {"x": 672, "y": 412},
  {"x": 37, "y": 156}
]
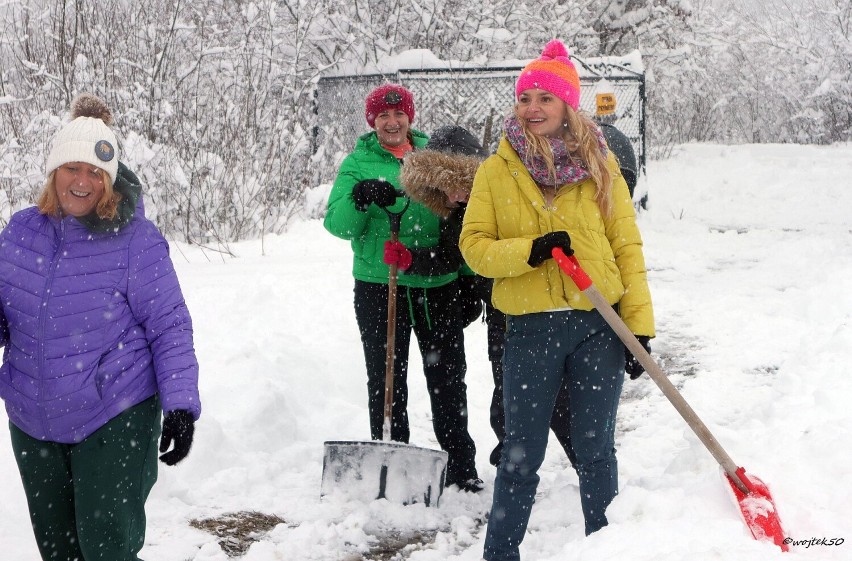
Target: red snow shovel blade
[{"x": 758, "y": 509}]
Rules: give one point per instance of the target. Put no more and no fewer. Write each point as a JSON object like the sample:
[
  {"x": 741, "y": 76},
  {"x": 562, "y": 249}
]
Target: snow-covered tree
[{"x": 214, "y": 98}]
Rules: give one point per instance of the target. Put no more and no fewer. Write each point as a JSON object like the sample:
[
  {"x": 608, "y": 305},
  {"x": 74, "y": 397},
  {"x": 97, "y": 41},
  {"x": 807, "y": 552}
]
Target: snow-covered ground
[{"x": 749, "y": 250}]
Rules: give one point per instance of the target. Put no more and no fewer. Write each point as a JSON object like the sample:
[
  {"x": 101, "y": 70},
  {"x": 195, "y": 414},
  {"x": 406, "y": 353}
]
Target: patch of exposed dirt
[
  {"x": 238, "y": 530},
  {"x": 395, "y": 545}
]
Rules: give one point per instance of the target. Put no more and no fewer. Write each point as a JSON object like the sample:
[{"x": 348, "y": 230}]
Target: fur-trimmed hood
[{"x": 428, "y": 175}]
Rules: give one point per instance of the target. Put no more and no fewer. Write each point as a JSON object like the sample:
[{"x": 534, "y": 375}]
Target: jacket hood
[
  {"x": 429, "y": 175},
  {"x": 130, "y": 188}
]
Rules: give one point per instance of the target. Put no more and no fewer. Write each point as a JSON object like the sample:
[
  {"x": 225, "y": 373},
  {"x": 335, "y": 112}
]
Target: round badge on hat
[
  {"x": 393, "y": 97},
  {"x": 104, "y": 151}
]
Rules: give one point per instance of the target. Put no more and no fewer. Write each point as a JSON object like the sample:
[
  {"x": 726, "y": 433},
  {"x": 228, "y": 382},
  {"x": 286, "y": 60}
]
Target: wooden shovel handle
[
  {"x": 571, "y": 267},
  {"x": 391, "y": 343},
  {"x": 394, "y": 222}
]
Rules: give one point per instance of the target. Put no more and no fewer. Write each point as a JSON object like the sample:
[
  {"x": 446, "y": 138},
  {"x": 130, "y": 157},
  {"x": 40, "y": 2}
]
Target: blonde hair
[
  {"x": 581, "y": 140},
  {"x": 107, "y": 207}
]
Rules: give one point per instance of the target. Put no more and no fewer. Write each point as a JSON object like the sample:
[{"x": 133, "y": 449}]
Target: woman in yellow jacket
[{"x": 554, "y": 183}]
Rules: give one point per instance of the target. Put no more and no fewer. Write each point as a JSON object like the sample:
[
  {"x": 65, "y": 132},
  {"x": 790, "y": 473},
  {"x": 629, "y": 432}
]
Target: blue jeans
[{"x": 541, "y": 350}]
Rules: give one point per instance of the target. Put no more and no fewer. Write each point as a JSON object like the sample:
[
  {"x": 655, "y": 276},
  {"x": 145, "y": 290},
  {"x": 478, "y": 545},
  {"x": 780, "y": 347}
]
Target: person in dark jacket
[
  {"x": 621, "y": 146},
  {"x": 441, "y": 177},
  {"x": 364, "y": 192},
  {"x": 98, "y": 341}
]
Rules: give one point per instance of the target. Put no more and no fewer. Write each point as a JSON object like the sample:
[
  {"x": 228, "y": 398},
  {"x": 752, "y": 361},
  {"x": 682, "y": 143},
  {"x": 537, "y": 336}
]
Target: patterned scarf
[{"x": 567, "y": 170}]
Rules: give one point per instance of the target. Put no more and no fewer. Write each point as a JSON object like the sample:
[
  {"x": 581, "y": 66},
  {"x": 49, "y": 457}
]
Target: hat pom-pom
[
  {"x": 553, "y": 49},
  {"x": 88, "y": 105}
]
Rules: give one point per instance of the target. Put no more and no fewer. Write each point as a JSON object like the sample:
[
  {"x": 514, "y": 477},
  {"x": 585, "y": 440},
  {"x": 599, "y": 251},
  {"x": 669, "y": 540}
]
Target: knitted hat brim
[
  {"x": 80, "y": 151},
  {"x": 542, "y": 79}
]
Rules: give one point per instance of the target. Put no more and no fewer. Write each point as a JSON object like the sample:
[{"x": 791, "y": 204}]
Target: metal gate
[{"x": 475, "y": 98}]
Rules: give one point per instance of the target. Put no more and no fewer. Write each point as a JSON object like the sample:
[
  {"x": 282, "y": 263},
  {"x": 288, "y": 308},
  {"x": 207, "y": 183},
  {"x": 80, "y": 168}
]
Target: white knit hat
[{"x": 87, "y": 138}]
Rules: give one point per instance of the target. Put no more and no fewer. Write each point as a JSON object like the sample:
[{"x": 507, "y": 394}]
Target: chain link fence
[{"x": 475, "y": 98}]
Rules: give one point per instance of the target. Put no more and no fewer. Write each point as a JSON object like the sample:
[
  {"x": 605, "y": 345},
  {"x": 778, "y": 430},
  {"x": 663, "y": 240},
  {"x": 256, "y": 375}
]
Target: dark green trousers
[{"x": 87, "y": 500}]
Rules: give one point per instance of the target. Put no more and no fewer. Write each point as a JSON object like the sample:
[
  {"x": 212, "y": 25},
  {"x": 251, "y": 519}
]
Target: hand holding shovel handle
[{"x": 764, "y": 525}]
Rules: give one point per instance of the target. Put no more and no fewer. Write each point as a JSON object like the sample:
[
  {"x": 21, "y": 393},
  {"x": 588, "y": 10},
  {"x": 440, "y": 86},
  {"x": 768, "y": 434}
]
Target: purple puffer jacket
[{"x": 92, "y": 323}]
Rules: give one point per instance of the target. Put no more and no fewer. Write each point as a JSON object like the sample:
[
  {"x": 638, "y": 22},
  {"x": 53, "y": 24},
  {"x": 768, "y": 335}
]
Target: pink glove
[{"x": 397, "y": 254}]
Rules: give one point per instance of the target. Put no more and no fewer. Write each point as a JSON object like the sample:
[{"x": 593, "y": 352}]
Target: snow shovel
[
  {"x": 755, "y": 502},
  {"x": 382, "y": 469}
]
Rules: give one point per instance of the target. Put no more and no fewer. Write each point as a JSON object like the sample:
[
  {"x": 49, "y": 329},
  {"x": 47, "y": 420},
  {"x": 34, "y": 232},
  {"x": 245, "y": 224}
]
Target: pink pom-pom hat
[{"x": 553, "y": 72}]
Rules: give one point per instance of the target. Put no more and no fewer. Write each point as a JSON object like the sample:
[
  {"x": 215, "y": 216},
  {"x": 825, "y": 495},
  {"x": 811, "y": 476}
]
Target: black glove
[
  {"x": 543, "y": 246},
  {"x": 631, "y": 365},
  {"x": 179, "y": 425},
  {"x": 373, "y": 191}
]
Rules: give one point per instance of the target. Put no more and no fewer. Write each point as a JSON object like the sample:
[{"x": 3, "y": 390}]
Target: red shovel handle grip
[
  {"x": 571, "y": 267},
  {"x": 745, "y": 480}
]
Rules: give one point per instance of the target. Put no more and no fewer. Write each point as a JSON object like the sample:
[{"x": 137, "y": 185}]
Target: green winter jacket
[{"x": 369, "y": 230}]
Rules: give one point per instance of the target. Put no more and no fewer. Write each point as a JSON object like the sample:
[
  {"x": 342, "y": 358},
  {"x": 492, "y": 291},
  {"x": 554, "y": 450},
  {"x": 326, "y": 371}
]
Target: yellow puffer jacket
[{"x": 506, "y": 212}]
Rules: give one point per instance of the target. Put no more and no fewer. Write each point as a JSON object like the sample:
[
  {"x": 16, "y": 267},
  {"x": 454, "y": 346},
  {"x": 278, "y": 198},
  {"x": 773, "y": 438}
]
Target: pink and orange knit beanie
[
  {"x": 386, "y": 97},
  {"x": 553, "y": 72}
]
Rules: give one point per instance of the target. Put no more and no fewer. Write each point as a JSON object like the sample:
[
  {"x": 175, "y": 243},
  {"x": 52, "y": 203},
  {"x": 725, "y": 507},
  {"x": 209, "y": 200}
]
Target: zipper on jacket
[{"x": 42, "y": 322}]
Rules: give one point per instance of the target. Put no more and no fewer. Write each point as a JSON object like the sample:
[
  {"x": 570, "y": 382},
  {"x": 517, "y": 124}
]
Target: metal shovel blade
[{"x": 376, "y": 469}]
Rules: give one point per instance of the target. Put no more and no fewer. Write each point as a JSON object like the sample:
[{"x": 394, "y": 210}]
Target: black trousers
[
  {"x": 433, "y": 315},
  {"x": 559, "y": 422}
]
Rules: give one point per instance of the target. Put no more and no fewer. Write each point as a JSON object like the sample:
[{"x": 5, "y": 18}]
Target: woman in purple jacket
[{"x": 98, "y": 341}]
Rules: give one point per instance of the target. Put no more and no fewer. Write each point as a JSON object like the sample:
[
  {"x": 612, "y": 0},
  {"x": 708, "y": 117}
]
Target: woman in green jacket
[
  {"x": 554, "y": 183},
  {"x": 365, "y": 188}
]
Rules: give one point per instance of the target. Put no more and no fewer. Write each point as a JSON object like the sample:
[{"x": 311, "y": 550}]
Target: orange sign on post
[{"x": 605, "y": 103}]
